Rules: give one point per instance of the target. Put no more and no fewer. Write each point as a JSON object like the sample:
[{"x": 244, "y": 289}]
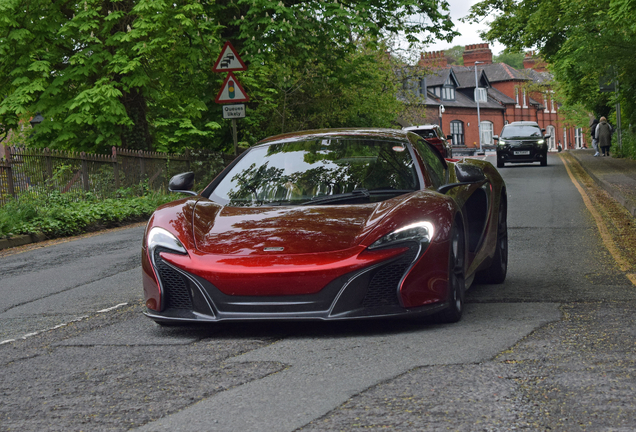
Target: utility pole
[{"x": 477, "y": 100}]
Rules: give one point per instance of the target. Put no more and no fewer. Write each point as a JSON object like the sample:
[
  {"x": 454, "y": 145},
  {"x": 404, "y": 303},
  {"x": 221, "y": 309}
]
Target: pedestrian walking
[
  {"x": 603, "y": 134},
  {"x": 593, "y": 123}
]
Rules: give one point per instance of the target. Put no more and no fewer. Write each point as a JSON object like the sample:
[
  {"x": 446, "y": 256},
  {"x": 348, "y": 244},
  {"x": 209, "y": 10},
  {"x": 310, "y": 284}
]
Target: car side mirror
[
  {"x": 466, "y": 174},
  {"x": 183, "y": 182},
  {"x": 547, "y": 136},
  {"x": 542, "y": 130},
  {"x": 495, "y": 137}
]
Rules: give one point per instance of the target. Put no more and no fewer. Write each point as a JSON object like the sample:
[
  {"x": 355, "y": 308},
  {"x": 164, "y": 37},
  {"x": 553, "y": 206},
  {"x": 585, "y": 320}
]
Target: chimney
[
  {"x": 477, "y": 52},
  {"x": 532, "y": 61},
  {"x": 434, "y": 59}
]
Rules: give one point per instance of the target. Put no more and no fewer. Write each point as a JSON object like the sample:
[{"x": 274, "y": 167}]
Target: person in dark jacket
[
  {"x": 604, "y": 135},
  {"x": 593, "y": 123}
]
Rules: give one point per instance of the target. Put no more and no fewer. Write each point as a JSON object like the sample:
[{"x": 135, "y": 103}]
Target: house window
[
  {"x": 517, "y": 97},
  {"x": 550, "y": 131},
  {"x": 552, "y": 102},
  {"x": 448, "y": 93},
  {"x": 578, "y": 138},
  {"x": 457, "y": 131},
  {"x": 545, "y": 103},
  {"x": 486, "y": 133},
  {"x": 525, "y": 100},
  {"x": 423, "y": 87}
]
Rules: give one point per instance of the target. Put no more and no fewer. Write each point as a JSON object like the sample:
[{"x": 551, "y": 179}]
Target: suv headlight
[
  {"x": 541, "y": 142},
  {"x": 502, "y": 142},
  {"x": 421, "y": 232}
]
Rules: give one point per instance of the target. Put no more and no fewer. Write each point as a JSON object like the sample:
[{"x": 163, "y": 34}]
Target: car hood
[{"x": 283, "y": 230}]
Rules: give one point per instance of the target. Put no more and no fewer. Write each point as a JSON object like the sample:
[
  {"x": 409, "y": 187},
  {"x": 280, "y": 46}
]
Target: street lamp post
[{"x": 477, "y": 100}]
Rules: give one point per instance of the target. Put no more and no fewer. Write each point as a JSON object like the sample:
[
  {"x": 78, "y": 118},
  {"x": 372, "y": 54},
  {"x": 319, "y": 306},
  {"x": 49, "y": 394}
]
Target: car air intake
[
  {"x": 176, "y": 292},
  {"x": 384, "y": 283}
]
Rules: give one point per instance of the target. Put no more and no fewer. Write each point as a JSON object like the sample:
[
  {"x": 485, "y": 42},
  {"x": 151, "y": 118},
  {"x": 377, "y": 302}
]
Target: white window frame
[
  {"x": 551, "y": 130},
  {"x": 517, "y": 97},
  {"x": 552, "y": 102},
  {"x": 525, "y": 100},
  {"x": 457, "y": 124},
  {"x": 545, "y": 103},
  {"x": 578, "y": 137},
  {"x": 487, "y": 130}
]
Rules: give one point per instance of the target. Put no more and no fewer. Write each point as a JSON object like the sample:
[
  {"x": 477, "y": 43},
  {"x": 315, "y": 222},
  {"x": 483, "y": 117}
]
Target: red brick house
[{"x": 510, "y": 95}]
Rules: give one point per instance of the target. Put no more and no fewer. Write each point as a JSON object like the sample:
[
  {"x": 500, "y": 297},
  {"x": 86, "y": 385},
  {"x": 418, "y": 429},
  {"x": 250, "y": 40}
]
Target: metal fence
[{"x": 39, "y": 172}]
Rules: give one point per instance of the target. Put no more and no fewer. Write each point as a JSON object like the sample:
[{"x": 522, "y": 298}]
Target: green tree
[
  {"x": 512, "y": 59},
  {"x": 580, "y": 41},
  {"x": 137, "y": 73},
  {"x": 455, "y": 55}
]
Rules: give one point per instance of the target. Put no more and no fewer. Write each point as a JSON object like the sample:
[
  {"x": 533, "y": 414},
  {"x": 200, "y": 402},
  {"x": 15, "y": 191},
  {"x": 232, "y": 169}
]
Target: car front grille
[
  {"x": 383, "y": 287},
  {"x": 176, "y": 292}
]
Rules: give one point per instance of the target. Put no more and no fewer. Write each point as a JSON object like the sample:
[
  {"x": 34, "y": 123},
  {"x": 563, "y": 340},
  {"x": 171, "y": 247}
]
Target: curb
[
  {"x": 629, "y": 204},
  {"x": 22, "y": 240}
]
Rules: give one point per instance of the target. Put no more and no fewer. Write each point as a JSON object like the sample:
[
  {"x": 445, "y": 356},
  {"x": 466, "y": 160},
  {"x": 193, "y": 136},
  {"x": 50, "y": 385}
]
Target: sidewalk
[{"x": 616, "y": 176}]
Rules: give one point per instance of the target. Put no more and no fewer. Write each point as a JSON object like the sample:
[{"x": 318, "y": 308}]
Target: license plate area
[{"x": 522, "y": 153}]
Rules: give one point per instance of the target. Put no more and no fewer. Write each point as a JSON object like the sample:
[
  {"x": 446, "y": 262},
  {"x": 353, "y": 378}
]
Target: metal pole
[
  {"x": 477, "y": 100},
  {"x": 234, "y": 135}
]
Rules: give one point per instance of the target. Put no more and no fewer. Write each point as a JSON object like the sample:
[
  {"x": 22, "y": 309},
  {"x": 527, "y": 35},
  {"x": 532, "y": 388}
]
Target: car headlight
[
  {"x": 420, "y": 231},
  {"x": 541, "y": 142},
  {"x": 502, "y": 142},
  {"x": 159, "y": 237}
]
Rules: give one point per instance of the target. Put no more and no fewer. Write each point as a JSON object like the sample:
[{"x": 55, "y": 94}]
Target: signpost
[{"x": 231, "y": 91}]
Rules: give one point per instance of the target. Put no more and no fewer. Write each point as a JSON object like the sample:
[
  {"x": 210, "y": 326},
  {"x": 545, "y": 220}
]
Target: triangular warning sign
[
  {"x": 231, "y": 91},
  {"x": 228, "y": 60}
]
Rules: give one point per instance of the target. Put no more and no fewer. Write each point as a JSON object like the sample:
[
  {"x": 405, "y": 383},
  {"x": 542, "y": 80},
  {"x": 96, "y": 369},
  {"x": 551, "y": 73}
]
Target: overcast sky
[{"x": 469, "y": 32}]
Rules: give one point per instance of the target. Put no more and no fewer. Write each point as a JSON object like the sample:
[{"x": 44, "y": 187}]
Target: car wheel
[
  {"x": 500, "y": 163},
  {"x": 544, "y": 160},
  {"x": 456, "y": 278},
  {"x": 496, "y": 273}
]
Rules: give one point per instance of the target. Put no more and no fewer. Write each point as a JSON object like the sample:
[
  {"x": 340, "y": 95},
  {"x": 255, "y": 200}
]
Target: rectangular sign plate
[
  {"x": 234, "y": 111},
  {"x": 522, "y": 153}
]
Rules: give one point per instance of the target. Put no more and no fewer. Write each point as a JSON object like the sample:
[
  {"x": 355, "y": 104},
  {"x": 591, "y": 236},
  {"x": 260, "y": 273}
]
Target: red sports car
[{"x": 328, "y": 225}]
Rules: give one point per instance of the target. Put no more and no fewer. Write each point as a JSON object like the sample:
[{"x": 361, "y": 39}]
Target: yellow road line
[{"x": 602, "y": 228}]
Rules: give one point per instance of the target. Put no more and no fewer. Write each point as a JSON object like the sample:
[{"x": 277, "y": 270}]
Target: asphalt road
[{"x": 550, "y": 349}]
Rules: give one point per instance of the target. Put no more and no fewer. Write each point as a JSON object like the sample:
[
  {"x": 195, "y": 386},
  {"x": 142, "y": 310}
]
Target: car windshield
[
  {"x": 320, "y": 171},
  {"x": 521, "y": 131}
]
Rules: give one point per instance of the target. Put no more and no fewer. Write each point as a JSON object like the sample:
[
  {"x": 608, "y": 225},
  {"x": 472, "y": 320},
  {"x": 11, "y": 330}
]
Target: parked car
[
  {"x": 433, "y": 135},
  {"x": 522, "y": 142},
  {"x": 327, "y": 225}
]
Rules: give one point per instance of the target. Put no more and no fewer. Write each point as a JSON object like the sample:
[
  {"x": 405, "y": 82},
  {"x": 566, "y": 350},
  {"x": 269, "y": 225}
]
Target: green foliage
[
  {"x": 59, "y": 215},
  {"x": 628, "y": 148},
  {"x": 138, "y": 73},
  {"x": 512, "y": 59},
  {"x": 455, "y": 55},
  {"x": 580, "y": 40}
]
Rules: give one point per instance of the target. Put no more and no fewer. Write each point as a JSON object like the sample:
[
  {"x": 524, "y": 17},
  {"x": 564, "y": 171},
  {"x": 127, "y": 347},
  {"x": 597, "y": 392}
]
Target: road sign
[
  {"x": 234, "y": 111},
  {"x": 231, "y": 91},
  {"x": 228, "y": 60}
]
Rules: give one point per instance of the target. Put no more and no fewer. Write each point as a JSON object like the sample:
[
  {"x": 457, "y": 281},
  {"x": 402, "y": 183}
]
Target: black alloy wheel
[
  {"x": 456, "y": 277},
  {"x": 496, "y": 273},
  {"x": 544, "y": 159}
]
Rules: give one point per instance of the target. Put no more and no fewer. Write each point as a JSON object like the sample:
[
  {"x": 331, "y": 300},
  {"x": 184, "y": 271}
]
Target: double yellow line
[{"x": 624, "y": 265}]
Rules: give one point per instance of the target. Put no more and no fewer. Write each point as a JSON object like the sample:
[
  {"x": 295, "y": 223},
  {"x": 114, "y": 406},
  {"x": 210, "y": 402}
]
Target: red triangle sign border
[
  {"x": 217, "y": 65},
  {"x": 230, "y": 76}
]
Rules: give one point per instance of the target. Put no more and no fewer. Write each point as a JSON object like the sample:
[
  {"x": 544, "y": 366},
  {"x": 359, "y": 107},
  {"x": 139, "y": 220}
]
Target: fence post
[
  {"x": 84, "y": 171},
  {"x": 49, "y": 164},
  {"x": 7, "y": 154},
  {"x": 187, "y": 154},
  {"x": 115, "y": 168},
  {"x": 142, "y": 166}
]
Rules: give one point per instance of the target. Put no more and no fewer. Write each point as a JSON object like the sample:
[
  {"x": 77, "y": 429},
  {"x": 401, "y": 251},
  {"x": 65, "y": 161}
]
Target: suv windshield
[
  {"x": 425, "y": 133},
  {"x": 521, "y": 131},
  {"x": 324, "y": 170}
]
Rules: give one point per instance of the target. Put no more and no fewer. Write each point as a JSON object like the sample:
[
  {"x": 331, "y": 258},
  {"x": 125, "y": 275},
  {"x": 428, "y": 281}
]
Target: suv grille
[{"x": 384, "y": 283}]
